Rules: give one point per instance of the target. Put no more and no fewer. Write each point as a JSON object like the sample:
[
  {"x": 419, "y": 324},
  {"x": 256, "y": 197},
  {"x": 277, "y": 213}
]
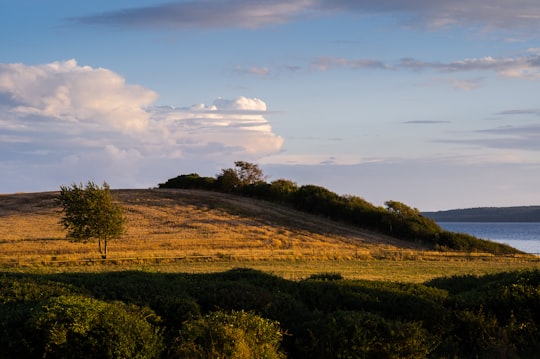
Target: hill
[
  {"x": 175, "y": 223},
  {"x": 488, "y": 214}
]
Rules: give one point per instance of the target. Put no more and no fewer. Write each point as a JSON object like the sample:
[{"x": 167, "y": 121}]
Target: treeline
[
  {"x": 248, "y": 314},
  {"x": 396, "y": 219},
  {"x": 488, "y": 214}
]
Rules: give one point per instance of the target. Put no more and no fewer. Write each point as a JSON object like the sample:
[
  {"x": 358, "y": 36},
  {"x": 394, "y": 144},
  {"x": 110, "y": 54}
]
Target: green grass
[{"x": 413, "y": 271}]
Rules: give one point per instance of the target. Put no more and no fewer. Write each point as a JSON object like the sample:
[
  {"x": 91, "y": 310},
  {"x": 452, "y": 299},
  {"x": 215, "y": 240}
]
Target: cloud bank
[
  {"x": 494, "y": 14},
  {"x": 64, "y": 122}
]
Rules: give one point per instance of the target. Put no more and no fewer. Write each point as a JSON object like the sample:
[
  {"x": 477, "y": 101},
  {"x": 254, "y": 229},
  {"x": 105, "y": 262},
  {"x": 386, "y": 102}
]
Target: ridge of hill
[
  {"x": 487, "y": 214},
  {"x": 180, "y": 223}
]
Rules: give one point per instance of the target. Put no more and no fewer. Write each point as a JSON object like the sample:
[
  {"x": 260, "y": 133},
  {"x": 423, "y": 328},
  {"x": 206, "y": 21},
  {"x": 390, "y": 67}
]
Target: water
[{"x": 523, "y": 236}]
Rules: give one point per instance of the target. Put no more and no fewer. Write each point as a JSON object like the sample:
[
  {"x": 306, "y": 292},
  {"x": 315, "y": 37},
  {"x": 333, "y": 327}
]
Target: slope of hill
[
  {"x": 178, "y": 223},
  {"x": 488, "y": 214}
]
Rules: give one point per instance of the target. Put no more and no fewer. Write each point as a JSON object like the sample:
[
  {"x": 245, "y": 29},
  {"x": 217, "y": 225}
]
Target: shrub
[
  {"x": 80, "y": 327},
  {"x": 237, "y": 334},
  {"x": 347, "y": 334}
]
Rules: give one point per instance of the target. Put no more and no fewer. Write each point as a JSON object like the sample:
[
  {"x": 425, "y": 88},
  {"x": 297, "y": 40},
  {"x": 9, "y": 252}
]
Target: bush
[
  {"x": 237, "y": 334},
  {"x": 347, "y": 334},
  {"x": 80, "y": 327},
  {"x": 190, "y": 181}
]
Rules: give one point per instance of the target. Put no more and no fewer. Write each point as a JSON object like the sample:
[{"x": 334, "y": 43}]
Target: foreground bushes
[
  {"x": 80, "y": 327},
  {"x": 229, "y": 335},
  {"x": 249, "y": 314}
]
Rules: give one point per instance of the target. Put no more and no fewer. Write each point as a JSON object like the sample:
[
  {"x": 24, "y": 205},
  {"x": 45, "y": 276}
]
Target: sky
[{"x": 434, "y": 103}]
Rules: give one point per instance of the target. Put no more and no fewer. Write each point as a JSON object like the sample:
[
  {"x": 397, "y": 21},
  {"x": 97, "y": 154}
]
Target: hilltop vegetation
[{"x": 396, "y": 219}]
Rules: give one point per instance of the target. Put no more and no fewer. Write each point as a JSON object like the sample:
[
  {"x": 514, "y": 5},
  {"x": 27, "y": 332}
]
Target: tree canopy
[{"x": 89, "y": 213}]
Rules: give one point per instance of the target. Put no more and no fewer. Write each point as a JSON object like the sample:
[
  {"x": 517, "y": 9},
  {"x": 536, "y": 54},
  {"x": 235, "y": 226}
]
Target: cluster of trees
[
  {"x": 248, "y": 314},
  {"x": 396, "y": 219}
]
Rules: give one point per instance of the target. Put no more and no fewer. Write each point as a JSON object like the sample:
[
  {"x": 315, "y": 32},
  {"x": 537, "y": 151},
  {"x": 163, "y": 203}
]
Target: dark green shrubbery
[
  {"x": 396, "y": 219},
  {"x": 246, "y": 313},
  {"x": 75, "y": 326},
  {"x": 357, "y": 334},
  {"x": 190, "y": 181},
  {"x": 81, "y": 327}
]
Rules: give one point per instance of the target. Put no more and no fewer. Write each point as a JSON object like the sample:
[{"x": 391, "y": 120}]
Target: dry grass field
[{"x": 200, "y": 231}]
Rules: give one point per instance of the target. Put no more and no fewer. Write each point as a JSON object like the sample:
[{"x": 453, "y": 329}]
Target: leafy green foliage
[
  {"x": 246, "y": 313},
  {"x": 238, "y": 334},
  {"x": 89, "y": 212},
  {"x": 80, "y": 327},
  {"x": 397, "y": 219},
  {"x": 190, "y": 181},
  {"x": 248, "y": 173},
  {"x": 357, "y": 334}
]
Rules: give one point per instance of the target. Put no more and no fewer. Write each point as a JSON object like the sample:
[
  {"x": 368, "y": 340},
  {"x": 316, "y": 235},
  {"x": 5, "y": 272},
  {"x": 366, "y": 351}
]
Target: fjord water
[{"x": 524, "y": 236}]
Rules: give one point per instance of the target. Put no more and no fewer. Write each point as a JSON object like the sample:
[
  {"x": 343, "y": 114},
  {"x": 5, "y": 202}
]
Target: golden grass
[{"x": 181, "y": 230}]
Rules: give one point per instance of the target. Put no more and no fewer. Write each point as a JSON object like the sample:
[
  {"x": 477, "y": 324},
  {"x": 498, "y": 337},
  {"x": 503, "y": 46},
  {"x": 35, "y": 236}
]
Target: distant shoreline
[{"x": 487, "y": 214}]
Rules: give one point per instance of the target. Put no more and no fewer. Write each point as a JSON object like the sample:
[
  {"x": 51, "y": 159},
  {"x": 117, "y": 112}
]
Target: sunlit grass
[{"x": 195, "y": 231}]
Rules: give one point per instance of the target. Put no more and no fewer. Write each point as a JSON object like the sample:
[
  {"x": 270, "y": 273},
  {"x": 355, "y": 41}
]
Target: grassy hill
[
  {"x": 202, "y": 231},
  {"x": 179, "y": 223}
]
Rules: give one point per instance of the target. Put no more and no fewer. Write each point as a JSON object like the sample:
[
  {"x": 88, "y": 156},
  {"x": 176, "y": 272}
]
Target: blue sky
[{"x": 432, "y": 103}]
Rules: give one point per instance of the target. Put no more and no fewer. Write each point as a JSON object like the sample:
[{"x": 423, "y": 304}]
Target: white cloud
[
  {"x": 76, "y": 123},
  {"x": 227, "y": 127},
  {"x": 70, "y": 93}
]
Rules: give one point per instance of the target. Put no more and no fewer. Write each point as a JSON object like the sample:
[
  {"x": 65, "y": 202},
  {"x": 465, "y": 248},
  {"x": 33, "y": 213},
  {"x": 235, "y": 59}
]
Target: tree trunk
[
  {"x": 104, "y": 251},
  {"x": 104, "y": 254}
]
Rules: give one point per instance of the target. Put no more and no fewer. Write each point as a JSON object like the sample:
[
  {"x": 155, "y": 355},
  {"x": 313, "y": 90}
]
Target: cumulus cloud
[
  {"x": 68, "y": 93},
  {"x": 501, "y": 14},
  {"x": 226, "y": 127},
  {"x": 76, "y": 122}
]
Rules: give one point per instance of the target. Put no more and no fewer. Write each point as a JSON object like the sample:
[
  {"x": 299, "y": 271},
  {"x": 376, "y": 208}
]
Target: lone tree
[{"x": 89, "y": 213}]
